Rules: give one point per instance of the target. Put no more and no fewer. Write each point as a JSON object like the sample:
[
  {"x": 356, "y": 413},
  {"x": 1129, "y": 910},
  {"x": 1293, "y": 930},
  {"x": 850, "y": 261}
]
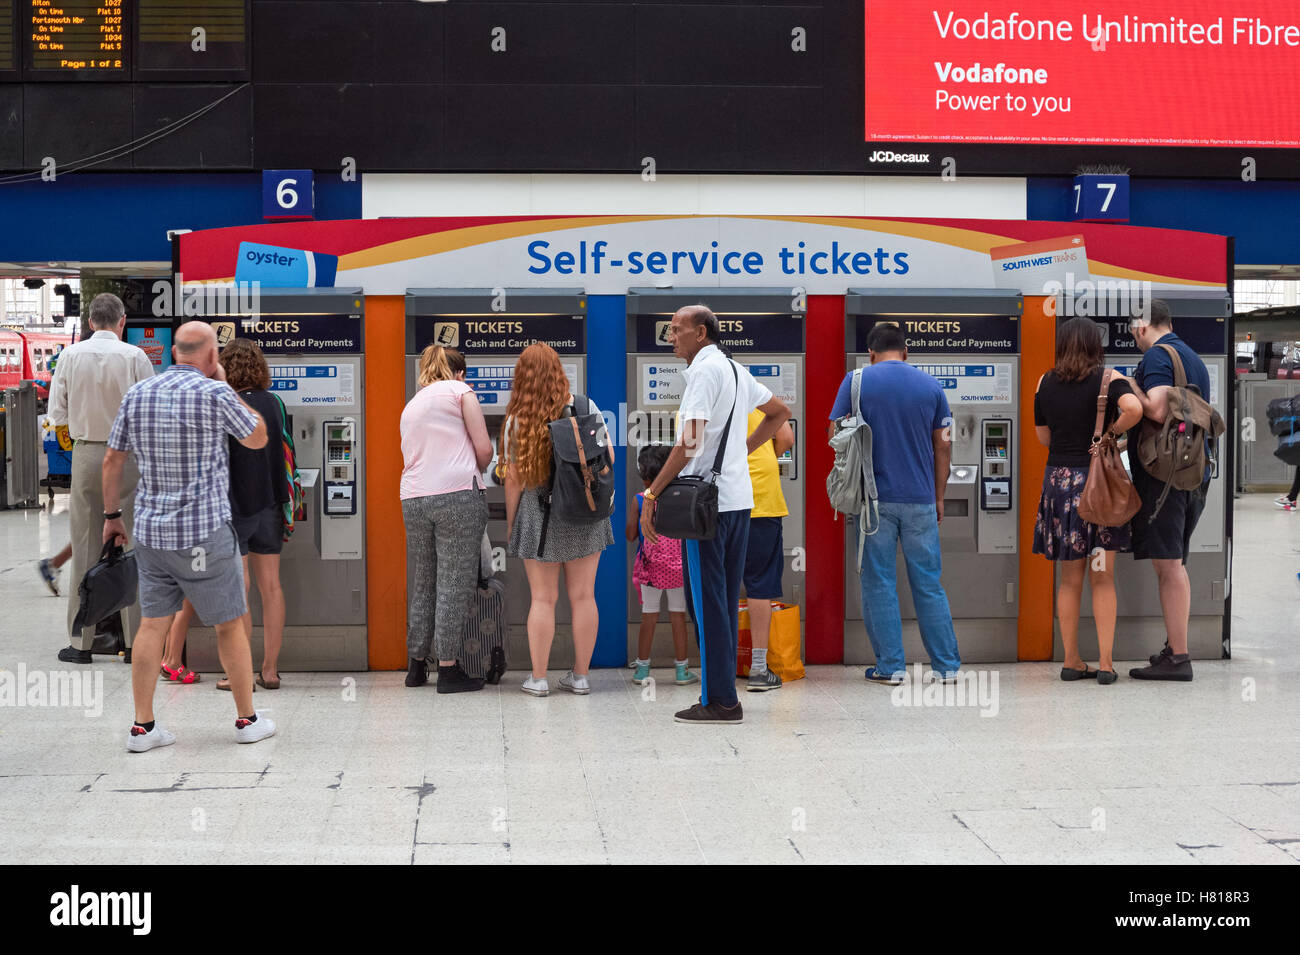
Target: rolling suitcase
[{"x": 483, "y": 652}]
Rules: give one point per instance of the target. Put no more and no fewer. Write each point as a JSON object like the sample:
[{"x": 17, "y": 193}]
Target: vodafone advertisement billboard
[{"x": 1221, "y": 73}]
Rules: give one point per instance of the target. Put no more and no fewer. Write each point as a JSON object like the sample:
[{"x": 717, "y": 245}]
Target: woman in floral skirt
[{"x": 1065, "y": 416}]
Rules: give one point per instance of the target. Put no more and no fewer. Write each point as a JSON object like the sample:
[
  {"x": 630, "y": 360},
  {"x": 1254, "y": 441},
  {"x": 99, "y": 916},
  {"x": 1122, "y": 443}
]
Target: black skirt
[{"x": 1059, "y": 532}]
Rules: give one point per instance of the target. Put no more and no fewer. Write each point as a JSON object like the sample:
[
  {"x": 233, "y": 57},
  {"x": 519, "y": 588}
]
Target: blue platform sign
[
  {"x": 1100, "y": 198},
  {"x": 287, "y": 194}
]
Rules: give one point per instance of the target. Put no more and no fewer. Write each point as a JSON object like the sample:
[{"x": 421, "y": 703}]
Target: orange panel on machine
[
  {"x": 385, "y": 361},
  {"x": 1037, "y": 575}
]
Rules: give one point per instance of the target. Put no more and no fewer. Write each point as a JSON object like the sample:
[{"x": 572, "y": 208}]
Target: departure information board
[
  {"x": 75, "y": 38},
  {"x": 121, "y": 40},
  {"x": 8, "y": 61},
  {"x": 206, "y": 36}
]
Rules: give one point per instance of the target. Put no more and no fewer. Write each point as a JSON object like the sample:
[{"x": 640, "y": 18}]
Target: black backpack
[{"x": 581, "y": 487}]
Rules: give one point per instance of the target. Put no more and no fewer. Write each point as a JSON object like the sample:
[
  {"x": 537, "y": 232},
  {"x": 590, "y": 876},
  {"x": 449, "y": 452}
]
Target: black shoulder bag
[{"x": 687, "y": 509}]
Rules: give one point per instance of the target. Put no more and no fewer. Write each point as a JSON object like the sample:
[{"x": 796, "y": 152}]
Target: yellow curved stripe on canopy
[{"x": 451, "y": 240}]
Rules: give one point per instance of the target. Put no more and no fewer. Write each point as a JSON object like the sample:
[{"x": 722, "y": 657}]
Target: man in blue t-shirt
[
  {"x": 1165, "y": 539},
  {"x": 911, "y": 451}
]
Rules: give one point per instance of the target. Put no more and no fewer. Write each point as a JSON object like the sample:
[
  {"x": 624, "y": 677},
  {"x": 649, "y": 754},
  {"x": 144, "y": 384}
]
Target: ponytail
[{"x": 439, "y": 364}]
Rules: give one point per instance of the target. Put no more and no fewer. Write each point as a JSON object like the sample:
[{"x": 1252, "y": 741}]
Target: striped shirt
[{"x": 177, "y": 423}]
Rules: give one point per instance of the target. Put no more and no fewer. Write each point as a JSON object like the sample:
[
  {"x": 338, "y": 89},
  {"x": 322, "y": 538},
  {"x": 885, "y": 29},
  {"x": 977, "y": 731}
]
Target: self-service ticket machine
[
  {"x": 491, "y": 327},
  {"x": 312, "y": 339},
  {"x": 969, "y": 340},
  {"x": 763, "y": 328},
  {"x": 1202, "y": 321}
]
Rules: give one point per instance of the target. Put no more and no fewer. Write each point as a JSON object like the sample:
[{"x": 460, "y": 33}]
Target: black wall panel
[
  {"x": 540, "y": 127},
  {"x": 347, "y": 42},
  {"x": 728, "y": 128},
  {"x": 221, "y": 138},
  {"x": 11, "y": 126},
  {"x": 721, "y": 45},
  {"x": 316, "y": 126},
  {"x": 76, "y": 121},
  {"x": 544, "y": 43}
]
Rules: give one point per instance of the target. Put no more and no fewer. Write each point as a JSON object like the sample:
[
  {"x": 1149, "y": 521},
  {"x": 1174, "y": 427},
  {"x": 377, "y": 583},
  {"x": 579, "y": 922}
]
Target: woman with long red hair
[{"x": 539, "y": 395}]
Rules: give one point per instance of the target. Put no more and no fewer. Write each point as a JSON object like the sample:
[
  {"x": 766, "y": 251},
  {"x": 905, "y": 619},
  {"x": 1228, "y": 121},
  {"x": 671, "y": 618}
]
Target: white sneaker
[
  {"x": 536, "y": 687},
  {"x": 246, "y": 732},
  {"x": 575, "y": 684},
  {"x": 140, "y": 742}
]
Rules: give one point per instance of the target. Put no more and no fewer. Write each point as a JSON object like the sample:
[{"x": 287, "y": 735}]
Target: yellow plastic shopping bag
[{"x": 784, "y": 644}]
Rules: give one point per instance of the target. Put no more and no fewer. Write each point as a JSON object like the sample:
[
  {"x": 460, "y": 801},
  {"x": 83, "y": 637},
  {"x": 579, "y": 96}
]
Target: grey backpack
[{"x": 851, "y": 485}]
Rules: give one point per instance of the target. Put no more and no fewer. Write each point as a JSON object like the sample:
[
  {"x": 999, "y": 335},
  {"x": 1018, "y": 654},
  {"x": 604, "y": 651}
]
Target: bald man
[{"x": 176, "y": 424}]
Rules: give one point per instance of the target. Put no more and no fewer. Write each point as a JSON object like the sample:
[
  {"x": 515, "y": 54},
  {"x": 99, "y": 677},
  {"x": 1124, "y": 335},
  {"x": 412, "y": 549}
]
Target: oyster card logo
[{"x": 278, "y": 267}]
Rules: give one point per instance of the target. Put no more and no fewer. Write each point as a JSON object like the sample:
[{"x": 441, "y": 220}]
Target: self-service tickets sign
[{"x": 1155, "y": 73}]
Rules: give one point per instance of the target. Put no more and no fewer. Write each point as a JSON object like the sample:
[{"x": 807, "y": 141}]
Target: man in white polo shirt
[
  {"x": 89, "y": 381},
  {"x": 716, "y": 389}
]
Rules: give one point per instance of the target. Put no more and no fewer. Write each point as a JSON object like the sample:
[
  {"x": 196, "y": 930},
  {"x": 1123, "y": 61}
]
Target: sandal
[
  {"x": 267, "y": 684},
  {"x": 181, "y": 674},
  {"x": 1069, "y": 674},
  {"x": 224, "y": 684}
]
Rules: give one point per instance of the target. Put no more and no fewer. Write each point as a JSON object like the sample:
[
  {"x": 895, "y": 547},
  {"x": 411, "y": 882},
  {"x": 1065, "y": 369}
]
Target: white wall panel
[{"x": 522, "y": 194}]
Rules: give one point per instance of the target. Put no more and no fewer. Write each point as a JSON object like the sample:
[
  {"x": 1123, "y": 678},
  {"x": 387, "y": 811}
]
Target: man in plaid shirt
[{"x": 176, "y": 423}]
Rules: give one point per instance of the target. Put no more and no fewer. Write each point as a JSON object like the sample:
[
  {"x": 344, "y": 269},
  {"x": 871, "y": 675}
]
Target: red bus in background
[{"x": 27, "y": 355}]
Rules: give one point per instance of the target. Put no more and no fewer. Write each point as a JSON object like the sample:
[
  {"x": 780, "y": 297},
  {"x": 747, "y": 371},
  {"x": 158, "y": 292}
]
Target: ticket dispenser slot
[
  {"x": 490, "y": 328},
  {"x": 995, "y": 473},
  {"x": 340, "y": 468}
]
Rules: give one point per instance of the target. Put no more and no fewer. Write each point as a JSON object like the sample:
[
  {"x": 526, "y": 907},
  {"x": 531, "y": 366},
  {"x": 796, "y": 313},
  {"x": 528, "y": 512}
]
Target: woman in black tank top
[{"x": 1065, "y": 416}]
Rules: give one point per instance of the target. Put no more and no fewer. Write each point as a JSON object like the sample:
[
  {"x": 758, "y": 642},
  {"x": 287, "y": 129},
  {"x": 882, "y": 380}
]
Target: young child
[{"x": 657, "y": 570}]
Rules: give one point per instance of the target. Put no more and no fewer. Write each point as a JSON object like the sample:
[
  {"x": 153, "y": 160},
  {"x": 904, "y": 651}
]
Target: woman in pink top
[{"x": 445, "y": 447}]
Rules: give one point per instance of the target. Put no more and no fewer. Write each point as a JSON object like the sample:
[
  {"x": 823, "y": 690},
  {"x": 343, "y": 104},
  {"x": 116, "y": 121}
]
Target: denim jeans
[{"x": 916, "y": 528}]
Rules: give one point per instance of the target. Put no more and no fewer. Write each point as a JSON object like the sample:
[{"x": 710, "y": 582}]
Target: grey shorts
[{"x": 210, "y": 575}]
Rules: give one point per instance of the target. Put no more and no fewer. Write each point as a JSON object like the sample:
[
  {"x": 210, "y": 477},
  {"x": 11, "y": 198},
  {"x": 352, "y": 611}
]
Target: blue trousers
[
  {"x": 916, "y": 528},
  {"x": 711, "y": 571}
]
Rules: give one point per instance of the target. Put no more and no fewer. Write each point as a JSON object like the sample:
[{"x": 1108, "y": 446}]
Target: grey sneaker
[
  {"x": 575, "y": 684},
  {"x": 536, "y": 687},
  {"x": 762, "y": 680}
]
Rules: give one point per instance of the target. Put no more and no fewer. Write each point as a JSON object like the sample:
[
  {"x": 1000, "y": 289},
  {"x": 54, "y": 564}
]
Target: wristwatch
[
  {"x": 113, "y": 516},
  {"x": 650, "y": 495}
]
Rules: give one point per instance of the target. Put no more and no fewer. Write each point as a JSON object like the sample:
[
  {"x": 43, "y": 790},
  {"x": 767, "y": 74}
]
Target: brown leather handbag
[{"x": 1109, "y": 498}]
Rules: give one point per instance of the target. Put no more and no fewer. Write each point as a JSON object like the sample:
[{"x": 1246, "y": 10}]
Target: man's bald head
[{"x": 196, "y": 344}]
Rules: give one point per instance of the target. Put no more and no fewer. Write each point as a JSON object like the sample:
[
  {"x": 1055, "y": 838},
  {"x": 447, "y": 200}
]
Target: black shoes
[
  {"x": 453, "y": 679},
  {"x": 713, "y": 713},
  {"x": 1175, "y": 666},
  {"x": 417, "y": 672},
  {"x": 496, "y": 666},
  {"x": 1107, "y": 677},
  {"x": 1163, "y": 654},
  {"x": 1070, "y": 674},
  {"x": 71, "y": 654}
]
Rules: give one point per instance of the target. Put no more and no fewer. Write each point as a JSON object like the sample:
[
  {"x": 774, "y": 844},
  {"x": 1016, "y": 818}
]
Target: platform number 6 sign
[{"x": 287, "y": 194}]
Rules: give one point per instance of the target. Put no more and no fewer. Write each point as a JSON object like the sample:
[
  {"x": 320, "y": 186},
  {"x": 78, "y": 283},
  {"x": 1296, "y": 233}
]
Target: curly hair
[
  {"x": 538, "y": 395},
  {"x": 245, "y": 365}
]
